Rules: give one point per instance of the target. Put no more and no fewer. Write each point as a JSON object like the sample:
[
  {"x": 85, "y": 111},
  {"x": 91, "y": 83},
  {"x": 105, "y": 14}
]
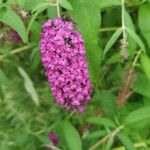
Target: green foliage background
[{"x": 117, "y": 40}]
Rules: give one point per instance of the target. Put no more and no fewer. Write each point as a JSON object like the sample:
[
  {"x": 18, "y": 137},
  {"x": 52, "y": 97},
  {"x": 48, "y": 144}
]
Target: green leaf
[
  {"x": 145, "y": 61},
  {"x": 97, "y": 134},
  {"x": 142, "y": 85},
  {"x": 138, "y": 115},
  {"x": 1, "y": 94},
  {"x": 71, "y": 136},
  {"x": 146, "y": 101},
  {"x": 34, "y": 16},
  {"x": 35, "y": 59},
  {"x": 129, "y": 24},
  {"x": 109, "y": 144},
  {"x": 112, "y": 40},
  {"x": 35, "y": 30},
  {"x": 29, "y": 5},
  {"x": 109, "y": 3},
  {"x": 136, "y": 38},
  {"x": 22, "y": 138},
  {"x": 126, "y": 141},
  {"x": 3, "y": 78},
  {"x": 44, "y": 140},
  {"x": 107, "y": 102},
  {"x": 65, "y": 4},
  {"x": 115, "y": 58},
  {"x": 16, "y": 23},
  {"x": 111, "y": 20},
  {"x": 20, "y": 2},
  {"x": 52, "y": 12},
  {"x": 4, "y": 50},
  {"x": 40, "y": 6},
  {"x": 144, "y": 24},
  {"x": 29, "y": 85},
  {"x": 101, "y": 121},
  {"x": 83, "y": 12}
]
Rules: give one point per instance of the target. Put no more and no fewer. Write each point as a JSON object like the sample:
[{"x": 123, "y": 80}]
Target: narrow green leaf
[
  {"x": 109, "y": 144},
  {"x": 34, "y": 16},
  {"x": 65, "y": 4},
  {"x": 3, "y": 78},
  {"x": 112, "y": 40},
  {"x": 101, "y": 121},
  {"x": 36, "y": 31},
  {"x": 97, "y": 134},
  {"x": 143, "y": 23},
  {"x": 145, "y": 61},
  {"x": 35, "y": 59},
  {"x": 16, "y": 23},
  {"x": 142, "y": 85},
  {"x": 129, "y": 24},
  {"x": 71, "y": 136},
  {"x": 126, "y": 141},
  {"x": 1, "y": 94},
  {"x": 138, "y": 115},
  {"x": 136, "y": 38},
  {"x": 29, "y": 85},
  {"x": 107, "y": 102},
  {"x": 114, "y": 59},
  {"x": 40, "y": 6}
]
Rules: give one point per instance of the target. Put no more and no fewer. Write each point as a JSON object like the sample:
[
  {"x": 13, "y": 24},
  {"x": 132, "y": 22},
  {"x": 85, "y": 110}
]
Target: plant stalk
[
  {"x": 107, "y": 137},
  {"x": 58, "y": 9},
  {"x": 108, "y": 29},
  {"x": 17, "y": 50}
]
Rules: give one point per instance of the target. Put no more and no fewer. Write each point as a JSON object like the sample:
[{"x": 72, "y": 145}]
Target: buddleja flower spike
[{"x": 66, "y": 67}]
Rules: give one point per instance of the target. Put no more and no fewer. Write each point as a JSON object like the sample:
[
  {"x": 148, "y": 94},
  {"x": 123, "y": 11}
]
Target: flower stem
[
  {"x": 111, "y": 135},
  {"x": 17, "y": 50},
  {"x": 123, "y": 19},
  {"x": 108, "y": 29},
  {"x": 123, "y": 98},
  {"x": 58, "y": 9},
  {"x": 136, "y": 145},
  {"x": 124, "y": 27}
]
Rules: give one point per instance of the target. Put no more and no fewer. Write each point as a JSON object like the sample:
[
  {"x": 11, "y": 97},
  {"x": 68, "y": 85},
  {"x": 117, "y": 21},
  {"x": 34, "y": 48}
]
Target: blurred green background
[{"x": 117, "y": 41}]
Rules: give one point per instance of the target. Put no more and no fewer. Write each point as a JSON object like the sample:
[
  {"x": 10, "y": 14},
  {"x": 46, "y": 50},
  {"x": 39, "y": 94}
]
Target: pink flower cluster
[
  {"x": 64, "y": 60},
  {"x": 15, "y": 37},
  {"x": 52, "y": 136}
]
